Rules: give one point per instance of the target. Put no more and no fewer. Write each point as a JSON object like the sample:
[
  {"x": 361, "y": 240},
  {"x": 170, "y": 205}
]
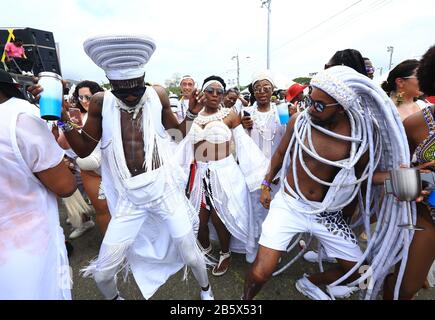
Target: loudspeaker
[
  {"x": 36, "y": 37},
  {"x": 44, "y": 59},
  {"x": 45, "y": 54},
  {"x": 39, "y": 46}
]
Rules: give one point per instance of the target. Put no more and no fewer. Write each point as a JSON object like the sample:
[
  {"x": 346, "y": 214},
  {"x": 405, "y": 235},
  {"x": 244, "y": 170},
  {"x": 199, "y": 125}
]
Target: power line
[
  {"x": 374, "y": 6},
  {"x": 318, "y": 25}
]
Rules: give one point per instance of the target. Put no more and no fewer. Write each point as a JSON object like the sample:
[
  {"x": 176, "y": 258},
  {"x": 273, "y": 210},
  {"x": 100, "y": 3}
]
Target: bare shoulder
[
  {"x": 163, "y": 95},
  {"x": 414, "y": 122},
  {"x": 292, "y": 121},
  {"x": 414, "y": 119},
  {"x": 96, "y": 105}
]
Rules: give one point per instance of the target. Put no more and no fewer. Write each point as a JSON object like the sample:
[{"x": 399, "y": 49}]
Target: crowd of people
[{"x": 168, "y": 177}]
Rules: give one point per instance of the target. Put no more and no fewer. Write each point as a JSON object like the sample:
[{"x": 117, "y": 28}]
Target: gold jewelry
[
  {"x": 264, "y": 187},
  {"x": 399, "y": 98}
]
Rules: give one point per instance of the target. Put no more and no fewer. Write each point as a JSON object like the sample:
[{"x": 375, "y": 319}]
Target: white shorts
[{"x": 284, "y": 221}]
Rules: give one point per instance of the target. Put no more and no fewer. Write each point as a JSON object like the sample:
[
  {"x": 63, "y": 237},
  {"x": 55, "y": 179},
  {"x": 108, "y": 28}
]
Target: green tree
[{"x": 303, "y": 80}]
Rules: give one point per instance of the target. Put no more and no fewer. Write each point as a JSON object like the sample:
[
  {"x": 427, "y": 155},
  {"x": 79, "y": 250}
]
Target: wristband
[
  {"x": 265, "y": 186},
  {"x": 190, "y": 115},
  {"x": 65, "y": 127},
  {"x": 265, "y": 183}
]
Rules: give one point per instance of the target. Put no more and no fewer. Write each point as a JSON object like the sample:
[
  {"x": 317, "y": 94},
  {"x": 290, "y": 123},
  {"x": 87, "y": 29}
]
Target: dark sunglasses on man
[
  {"x": 217, "y": 91},
  {"x": 122, "y": 94},
  {"x": 318, "y": 105}
]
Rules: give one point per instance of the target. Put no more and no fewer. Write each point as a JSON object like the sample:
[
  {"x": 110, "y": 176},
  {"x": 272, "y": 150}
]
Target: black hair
[
  {"x": 18, "y": 40},
  {"x": 93, "y": 87},
  {"x": 216, "y": 78},
  {"x": 235, "y": 90},
  {"x": 426, "y": 72},
  {"x": 348, "y": 57},
  {"x": 252, "y": 98},
  {"x": 11, "y": 91},
  {"x": 403, "y": 69}
]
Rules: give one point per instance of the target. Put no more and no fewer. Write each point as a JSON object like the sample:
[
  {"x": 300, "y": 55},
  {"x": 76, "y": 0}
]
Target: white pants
[
  {"x": 170, "y": 213},
  {"x": 284, "y": 221}
]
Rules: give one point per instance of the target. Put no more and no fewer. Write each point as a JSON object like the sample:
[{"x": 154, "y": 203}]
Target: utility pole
[
  {"x": 391, "y": 50},
  {"x": 267, "y": 4},
  {"x": 238, "y": 69}
]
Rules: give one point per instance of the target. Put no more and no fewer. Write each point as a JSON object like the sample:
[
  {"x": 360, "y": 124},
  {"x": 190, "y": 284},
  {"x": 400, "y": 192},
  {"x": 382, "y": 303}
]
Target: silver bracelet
[{"x": 190, "y": 115}]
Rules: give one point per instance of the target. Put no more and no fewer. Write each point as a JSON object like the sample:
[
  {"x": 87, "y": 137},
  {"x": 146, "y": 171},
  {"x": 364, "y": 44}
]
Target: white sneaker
[
  {"x": 82, "y": 229},
  {"x": 310, "y": 290},
  {"x": 312, "y": 256},
  {"x": 24, "y": 73},
  {"x": 343, "y": 292},
  {"x": 207, "y": 295}
]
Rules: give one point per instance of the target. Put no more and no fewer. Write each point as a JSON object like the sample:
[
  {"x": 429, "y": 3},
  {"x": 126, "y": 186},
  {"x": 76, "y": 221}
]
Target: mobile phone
[{"x": 76, "y": 116}]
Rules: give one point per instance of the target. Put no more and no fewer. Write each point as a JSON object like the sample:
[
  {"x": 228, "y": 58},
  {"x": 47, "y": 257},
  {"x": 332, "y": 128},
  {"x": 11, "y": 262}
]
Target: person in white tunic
[
  {"x": 261, "y": 122},
  {"x": 33, "y": 259},
  {"x": 152, "y": 226}
]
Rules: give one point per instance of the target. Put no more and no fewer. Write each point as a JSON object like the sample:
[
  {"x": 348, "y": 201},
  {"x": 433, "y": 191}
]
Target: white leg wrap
[{"x": 111, "y": 260}]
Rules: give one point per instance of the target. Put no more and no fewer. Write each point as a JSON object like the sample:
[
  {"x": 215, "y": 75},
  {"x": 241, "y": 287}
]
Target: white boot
[{"x": 207, "y": 294}]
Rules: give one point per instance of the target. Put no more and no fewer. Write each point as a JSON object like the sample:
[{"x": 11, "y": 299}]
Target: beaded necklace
[
  {"x": 219, "y": 115},
  {"x": 262, "y": 122}
]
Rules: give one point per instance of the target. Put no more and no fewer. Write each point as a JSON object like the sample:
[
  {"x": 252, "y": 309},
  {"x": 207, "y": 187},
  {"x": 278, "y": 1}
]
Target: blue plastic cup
[
  {"x": 431, "y": 199},
  {"x": 283, "y": 113},
  {"x": 50, "y": 103}
]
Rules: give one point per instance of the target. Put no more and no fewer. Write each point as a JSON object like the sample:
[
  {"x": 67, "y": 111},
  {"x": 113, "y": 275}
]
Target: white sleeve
[
  {"x": 252, "y": 161},
  {"x": 37, "y": 144}
]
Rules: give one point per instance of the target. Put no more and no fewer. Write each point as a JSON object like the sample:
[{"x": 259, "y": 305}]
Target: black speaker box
[
  {"x": 36, "y": 37},
  {"x": 45, "y": 54},
  {"x": 39, "y": 46}
]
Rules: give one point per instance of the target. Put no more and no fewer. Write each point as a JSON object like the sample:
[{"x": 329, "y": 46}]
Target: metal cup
[
  {"x": 406, "y": 183},
  {"x": 407, "y": 186}
]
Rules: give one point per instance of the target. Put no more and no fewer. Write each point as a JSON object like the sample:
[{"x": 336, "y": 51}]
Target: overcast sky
[{"x": 200, "y": 37}]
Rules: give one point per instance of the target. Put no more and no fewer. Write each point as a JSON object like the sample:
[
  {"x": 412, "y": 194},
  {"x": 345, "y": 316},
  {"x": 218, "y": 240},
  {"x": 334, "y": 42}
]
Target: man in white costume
[
  {"x": 187, "y": 85},
  {"x": 33, "y": 258},
  {"x": 327, "y": 152},
  {"x": 151, "y": 230}
]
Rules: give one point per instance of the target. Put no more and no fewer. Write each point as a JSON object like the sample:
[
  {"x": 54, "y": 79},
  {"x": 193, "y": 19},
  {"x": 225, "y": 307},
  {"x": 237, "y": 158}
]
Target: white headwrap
[
  {"x": 122, "y": 57},
  {"x": 209, "y": 83},
  {"x": 185, "y": 78},
  {"x": 263, "y": 75},
  {"x": 333, "y": 82}
]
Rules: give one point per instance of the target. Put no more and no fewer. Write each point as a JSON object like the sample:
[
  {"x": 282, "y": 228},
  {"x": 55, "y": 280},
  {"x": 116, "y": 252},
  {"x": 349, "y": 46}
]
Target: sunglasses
[
  {"x": 85, "y": 97},
  {"x": 122, "y": 94},
  {"x": 370, "y": 70},
  {"x": 265, "y": 89},
  {"x": 318, "y": 106},
  {"x": 218, "y": 91}
]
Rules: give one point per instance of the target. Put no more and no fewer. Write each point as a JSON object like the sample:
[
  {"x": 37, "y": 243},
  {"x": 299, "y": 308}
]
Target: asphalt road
[{"x": 227, "y": 287}]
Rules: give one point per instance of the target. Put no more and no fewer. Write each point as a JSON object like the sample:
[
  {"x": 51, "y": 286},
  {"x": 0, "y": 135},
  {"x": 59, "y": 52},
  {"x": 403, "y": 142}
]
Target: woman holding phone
[
  {"x": 89, "y": 166},
  {"x": 219, "y": 190}
]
